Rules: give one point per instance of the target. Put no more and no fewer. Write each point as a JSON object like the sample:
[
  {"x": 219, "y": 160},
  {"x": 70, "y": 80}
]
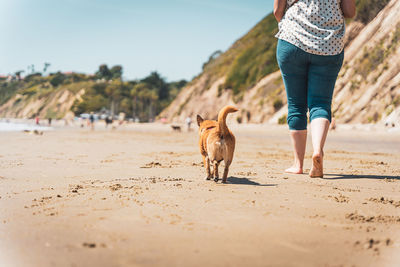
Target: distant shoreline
[
  {"x": 18, "y": 124},
  {"x": 12, "y": 126}
]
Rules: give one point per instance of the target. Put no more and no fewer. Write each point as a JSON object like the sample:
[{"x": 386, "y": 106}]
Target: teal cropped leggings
[{"x": 309, "y": 81}]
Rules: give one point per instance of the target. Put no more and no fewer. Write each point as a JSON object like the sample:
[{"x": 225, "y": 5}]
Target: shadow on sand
[
  {"x": 245, "y": 181},
  {"x": 352, "y": 176}
]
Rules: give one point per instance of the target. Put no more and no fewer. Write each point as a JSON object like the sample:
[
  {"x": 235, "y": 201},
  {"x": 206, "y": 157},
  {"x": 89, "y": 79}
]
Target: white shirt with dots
[{"x": 315, "y": 26}]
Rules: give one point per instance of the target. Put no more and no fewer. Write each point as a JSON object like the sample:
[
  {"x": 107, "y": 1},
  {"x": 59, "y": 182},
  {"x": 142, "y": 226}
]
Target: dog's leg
[
  {"x": 206, "y": 161},
  {"x": 216, "y": 175},
  {"x": 226, "y": 169}
]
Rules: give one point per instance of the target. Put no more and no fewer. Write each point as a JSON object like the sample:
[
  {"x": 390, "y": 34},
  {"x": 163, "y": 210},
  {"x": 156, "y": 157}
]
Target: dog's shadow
[{"x": 245, "y": 181}]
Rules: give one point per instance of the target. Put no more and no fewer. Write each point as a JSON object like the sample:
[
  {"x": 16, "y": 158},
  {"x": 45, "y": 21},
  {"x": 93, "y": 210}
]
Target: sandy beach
[{"x": 136, "y": 196}]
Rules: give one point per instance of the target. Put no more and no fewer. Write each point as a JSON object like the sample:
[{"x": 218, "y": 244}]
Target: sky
[{"x": 172, "y": 37}]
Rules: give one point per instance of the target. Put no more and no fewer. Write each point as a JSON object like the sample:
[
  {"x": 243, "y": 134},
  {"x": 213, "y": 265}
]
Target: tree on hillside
[
  {"x": 138, "y": 98},
  {"x": 152, "y": 98},
  {"x": 100, "y": 88},
  {"x": 31, "y": 68},
  {"x": 46, "y": 66},
  {"x": 143, "y": 99},
  {"x": 113, "y": 91},
  {"x": 57, "y": 79},
  {"x": 18, "y": 74},
  {"x": 148, "y": 99},
  {"x": 116, "y": 72},
  {"x": 103, "y": 72},
  {"x": 156, "y": 81}
]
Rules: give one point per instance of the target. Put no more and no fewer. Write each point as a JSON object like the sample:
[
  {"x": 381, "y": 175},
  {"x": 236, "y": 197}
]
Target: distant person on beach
[
  {"x": 91, "y": 120},
  {"x": 37, "y": 121},
  {"x": 310, "y": 55},
  {"x": 108, "y": 120},
  {"x": 49, "y": 120},
  {"x": 189, "y": 123}
]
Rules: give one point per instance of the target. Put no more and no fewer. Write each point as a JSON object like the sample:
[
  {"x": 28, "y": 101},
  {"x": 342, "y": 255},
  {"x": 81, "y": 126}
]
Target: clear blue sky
[{"x": 173, "y": 37}]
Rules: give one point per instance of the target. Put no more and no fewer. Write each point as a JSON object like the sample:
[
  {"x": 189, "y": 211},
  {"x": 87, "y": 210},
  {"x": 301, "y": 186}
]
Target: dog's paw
[
  {"x": 208, "y": 178},
  {"x": 216, "y": 179}
]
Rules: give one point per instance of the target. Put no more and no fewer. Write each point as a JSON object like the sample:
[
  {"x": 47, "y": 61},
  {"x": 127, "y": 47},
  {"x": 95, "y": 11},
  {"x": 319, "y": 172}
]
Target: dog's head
[{"x": 205, "y": 124}]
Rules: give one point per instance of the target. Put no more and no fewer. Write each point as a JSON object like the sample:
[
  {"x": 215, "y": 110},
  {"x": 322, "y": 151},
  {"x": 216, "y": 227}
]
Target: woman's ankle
[{"x": 318, "y": 153}]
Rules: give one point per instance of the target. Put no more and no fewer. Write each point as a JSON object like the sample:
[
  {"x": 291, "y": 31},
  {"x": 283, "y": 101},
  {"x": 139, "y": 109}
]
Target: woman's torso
[{"x": 315, "y": 26}]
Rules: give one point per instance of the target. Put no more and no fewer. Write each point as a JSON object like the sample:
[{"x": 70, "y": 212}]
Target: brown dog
[{"x": 216, "y": 143}]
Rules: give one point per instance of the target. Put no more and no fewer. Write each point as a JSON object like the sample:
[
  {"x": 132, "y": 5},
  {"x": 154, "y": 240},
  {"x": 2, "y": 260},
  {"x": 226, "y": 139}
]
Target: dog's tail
[{"x": 222, "y": 119}]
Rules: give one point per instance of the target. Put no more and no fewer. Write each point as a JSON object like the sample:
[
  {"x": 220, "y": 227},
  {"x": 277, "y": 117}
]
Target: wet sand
[{"x": 137, "y": 196}]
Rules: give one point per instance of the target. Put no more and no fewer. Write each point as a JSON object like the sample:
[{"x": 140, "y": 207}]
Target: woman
[{"x": 310, "y": 55}]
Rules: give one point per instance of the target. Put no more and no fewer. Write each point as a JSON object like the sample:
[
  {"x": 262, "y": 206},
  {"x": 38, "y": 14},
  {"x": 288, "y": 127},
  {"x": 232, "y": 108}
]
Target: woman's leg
[
  {"x": 294, "y": 68},
  {"x": 322, "y": 76},
  {"x": 319, "y": 131},
  {"x": 299, "y": 140}
]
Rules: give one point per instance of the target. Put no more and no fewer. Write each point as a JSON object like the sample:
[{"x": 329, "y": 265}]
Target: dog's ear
[{"x": 199, "y": 120}]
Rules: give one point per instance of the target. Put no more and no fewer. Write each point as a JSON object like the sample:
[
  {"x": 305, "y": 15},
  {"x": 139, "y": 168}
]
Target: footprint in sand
[
  {"x": 383, "y": 200},
  {"x": 151, "y": 165},
  {"x": 89, "y": 245}
]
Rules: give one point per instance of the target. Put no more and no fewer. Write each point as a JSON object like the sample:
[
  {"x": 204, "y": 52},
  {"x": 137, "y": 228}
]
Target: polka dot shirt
[{"x": 315, "y": 26}]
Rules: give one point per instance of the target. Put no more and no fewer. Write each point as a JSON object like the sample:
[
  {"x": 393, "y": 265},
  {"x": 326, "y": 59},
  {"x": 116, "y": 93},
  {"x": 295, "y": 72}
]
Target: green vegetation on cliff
[
  {"x": 368, "y": 9},
  {"x": 105, "y": 91},
  {"x": 248, "y": 60},
  {"x": 36, "y": 85}
]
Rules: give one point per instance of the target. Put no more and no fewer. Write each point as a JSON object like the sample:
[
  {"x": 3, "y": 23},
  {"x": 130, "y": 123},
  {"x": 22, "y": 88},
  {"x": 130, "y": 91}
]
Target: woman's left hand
[
  {"x": 279, "y": 9},
  {"x": 348, "y": 8}
]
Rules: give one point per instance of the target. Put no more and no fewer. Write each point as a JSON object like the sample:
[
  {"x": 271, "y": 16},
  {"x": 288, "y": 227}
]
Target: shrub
[
  {"x": 354, "y": 85},
  {"x": 396, "y": 101},
  {"x": 57, "y": 79},
  {"x": 29, "y": 91},
  {"x": 220, "y": 89},
  {"x": 374, "y": 117},
  {"x": 368, "y": 9},
  {"x": 249, "y": 59},
  {"x": 389, "y": 110},
  {"x": 32, "y": 76},
  {"x": 277, "y": 104},
  {"x": 248, "y": 116},
  {"x": 282, "y": 119},
  {"x": 371, "y": 59}
]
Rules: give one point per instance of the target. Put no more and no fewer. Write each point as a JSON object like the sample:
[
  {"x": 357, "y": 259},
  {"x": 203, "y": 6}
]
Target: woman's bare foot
[
  {"x": 295, "y": 170},
  {"x": 317, "y": 166}
]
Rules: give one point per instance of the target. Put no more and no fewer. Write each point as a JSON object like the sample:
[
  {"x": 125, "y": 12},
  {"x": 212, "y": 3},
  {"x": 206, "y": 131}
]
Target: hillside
[
  {"x": 368, "y": 88},
  {"x": 246, "y": 75},
  {"x": 44, "y": 97},
  {"x": 65, "y": 95}
]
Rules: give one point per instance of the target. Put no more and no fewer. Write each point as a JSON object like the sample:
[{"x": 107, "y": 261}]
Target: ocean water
[{"x": 16, "y": 127}]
